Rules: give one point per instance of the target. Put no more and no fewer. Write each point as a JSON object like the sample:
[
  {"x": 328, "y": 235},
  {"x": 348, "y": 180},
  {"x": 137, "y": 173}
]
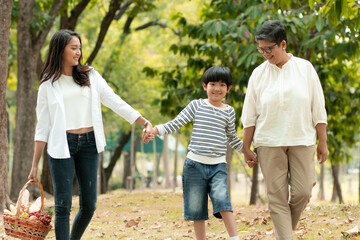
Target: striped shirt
[{"x": 213, "y": 127}]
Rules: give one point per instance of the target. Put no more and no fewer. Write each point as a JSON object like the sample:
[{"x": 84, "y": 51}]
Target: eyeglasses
[{"x": 266, "y": 49}]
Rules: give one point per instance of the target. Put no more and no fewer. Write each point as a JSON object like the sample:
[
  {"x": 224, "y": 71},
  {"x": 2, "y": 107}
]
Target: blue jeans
[
  {"x": 200, "y": 181},
  {"x": 84, "y": 160}
]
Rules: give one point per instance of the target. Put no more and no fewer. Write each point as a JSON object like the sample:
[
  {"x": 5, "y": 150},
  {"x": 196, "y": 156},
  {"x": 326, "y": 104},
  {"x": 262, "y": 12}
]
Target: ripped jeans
[{"x": 84, "y": 161}]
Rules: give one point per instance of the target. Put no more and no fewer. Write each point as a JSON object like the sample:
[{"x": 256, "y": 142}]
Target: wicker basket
[{"x": 26, "y": 228}]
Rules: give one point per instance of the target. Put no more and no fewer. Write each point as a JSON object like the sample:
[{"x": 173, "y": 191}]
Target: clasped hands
[
  {"x": 251, "y": 157},
  {"x": 149, "y": 133}
]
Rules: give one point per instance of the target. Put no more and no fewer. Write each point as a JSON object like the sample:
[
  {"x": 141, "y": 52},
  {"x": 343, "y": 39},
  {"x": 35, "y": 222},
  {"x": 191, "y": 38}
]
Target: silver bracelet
[{"x": 146, "y": 123}]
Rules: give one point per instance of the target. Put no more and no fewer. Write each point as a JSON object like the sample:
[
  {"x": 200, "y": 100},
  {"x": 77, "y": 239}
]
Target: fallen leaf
[{"x": 131, "y": 223}]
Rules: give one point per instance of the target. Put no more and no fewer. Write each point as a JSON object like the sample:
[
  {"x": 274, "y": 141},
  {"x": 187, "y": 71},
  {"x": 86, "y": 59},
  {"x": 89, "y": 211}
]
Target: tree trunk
[
  {"x": 157, "y": 163},
  {"x": 321, "y": 195},
  {"x": 175, "y": 161},
  {"x": 5, "y": 18},
  {"x": 166, "y": 162},
  {"x": 127, "y": 161},
  {"x": 254, "y": 185},
  {"x": 229, "y": 153},
  {"x": 107, "y": 172},
  {"x": 337, "y": 188},
  {"x": 46, "y": 180},
  {"x": 334, "y": 195},
  {"x": 25, "y": 100},
  {"x": 69, "y": 22},
  {"x": 105, "y": 24},
  {"x": 29, "y": 44},
  {"x": 127, "y": 168}
]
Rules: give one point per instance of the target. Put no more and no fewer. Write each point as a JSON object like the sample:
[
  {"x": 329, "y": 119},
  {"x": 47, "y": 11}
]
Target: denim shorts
[{"x": 200, "y": 180}]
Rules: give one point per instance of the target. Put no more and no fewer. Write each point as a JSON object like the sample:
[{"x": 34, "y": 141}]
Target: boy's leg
[
  {"x": 220, "y": 198},
  {"x": 199, "y": 227},
  {"x": 229, "y": 221},
  {"x": 194, "y": 191}
]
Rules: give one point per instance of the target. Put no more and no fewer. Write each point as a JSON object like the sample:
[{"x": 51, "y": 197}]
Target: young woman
[{"x": 70, "y": 123}]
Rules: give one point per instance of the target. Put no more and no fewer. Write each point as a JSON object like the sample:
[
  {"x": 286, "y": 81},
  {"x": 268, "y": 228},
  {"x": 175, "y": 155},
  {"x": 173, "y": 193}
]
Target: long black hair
[{"x": 54, "y": 61}]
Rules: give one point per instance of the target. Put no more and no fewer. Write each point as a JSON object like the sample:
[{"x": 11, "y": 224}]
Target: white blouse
[
  {"x": 77, "y": 103},
  {"x": 50, "y": 112},
  {"x": 284, "y": 104}
]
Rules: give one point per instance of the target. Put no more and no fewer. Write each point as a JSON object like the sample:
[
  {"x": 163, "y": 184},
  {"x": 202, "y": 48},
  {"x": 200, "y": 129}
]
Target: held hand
[
  {"x": 148, "y": 128},
  {"x": 147, "y": 137},
  {"x": 33, "y": 174},
  {"x": 148, "y": 134},
  {"x": 322, "y": 152},
  {"x": 251, "y": 158}
]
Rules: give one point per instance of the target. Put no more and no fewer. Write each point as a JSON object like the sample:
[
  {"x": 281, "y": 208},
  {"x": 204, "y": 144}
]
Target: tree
[
  {"x": 323, "y": 33},
  {"x": 5, "y": 18},
  {"x": 32, "y": 28}
]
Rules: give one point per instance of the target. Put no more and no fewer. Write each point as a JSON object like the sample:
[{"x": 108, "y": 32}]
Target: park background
[{"x": 153, "y": 53}]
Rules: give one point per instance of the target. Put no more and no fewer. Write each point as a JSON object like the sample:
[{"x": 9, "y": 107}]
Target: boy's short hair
[
  {"x": 217, "y": 74},
  {"x": 272, "y": 31}
]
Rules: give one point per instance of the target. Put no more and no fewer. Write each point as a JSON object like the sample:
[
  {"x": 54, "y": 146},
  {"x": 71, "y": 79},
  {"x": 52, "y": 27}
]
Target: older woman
[{"x": 284, "y": 110}]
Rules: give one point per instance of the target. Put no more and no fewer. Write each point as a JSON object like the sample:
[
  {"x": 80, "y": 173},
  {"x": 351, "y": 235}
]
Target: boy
[{"x": 204, "y": 171}]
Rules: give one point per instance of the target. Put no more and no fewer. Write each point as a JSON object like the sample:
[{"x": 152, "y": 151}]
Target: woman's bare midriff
[{"x": 80, "y": 130}]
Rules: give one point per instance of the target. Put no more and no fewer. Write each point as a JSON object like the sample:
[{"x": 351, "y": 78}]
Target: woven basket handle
[{"x": 18, "y": 204}]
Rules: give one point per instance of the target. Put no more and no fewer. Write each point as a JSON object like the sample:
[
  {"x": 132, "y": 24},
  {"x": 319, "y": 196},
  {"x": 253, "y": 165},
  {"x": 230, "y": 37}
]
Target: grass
[{"x": 159, "y": 215}]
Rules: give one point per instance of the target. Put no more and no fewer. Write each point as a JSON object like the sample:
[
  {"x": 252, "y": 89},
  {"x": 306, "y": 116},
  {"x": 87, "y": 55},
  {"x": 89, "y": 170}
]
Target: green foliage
[
  {"x": 324, "y": 33},
  {"x": 40, "y": 14}
]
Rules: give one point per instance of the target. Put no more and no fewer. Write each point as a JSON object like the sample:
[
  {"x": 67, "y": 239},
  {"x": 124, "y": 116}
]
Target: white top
[
  {"x": 77, "y": 103},
  {"x": 50, "y": 112},
  {"x": 213, "y": 128},
  {"x": 284, "y": 104}
]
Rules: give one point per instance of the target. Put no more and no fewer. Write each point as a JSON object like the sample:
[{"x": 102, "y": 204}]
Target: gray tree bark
[
  {"x": 5, "y": 19},
  {"x": 127, "y": 161},
  {"x": 254, "y": 185},
  {"x": 335, "y": 168},
  {"x": 29, "y": 42},
  {"x": 176, "y": 161},
  {"x": 166, "y": 156},
  {"x": 321, "y": 194},
  {"x": 106, "y": 172}
]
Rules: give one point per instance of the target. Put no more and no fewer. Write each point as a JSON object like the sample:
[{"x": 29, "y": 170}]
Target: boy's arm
[
  {"x": 185, "y": 116},
  {"x": 233, "y": 140}
]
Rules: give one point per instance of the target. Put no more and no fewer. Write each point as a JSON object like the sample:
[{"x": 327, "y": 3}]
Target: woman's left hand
[{"x": 322, "y": 152}]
